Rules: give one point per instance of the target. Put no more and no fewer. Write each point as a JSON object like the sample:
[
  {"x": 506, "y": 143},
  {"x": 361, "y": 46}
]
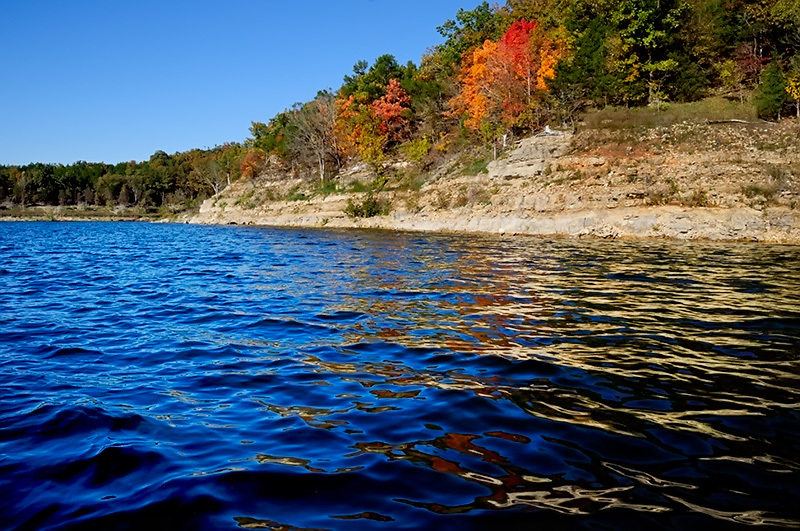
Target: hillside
[{"x": 623, "y": 174}]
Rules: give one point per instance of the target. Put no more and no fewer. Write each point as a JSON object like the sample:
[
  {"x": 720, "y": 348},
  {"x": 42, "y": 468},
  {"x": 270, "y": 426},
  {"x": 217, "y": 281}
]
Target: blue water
[{"x": 182, "y": 377}]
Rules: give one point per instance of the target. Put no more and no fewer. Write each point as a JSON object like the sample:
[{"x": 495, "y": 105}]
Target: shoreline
[
  {"x": 776, "y": 225},
  {"x": 706, "y": 182},
  {"x": 685, "y": 181},
  {"x": 743, "y": 225}
]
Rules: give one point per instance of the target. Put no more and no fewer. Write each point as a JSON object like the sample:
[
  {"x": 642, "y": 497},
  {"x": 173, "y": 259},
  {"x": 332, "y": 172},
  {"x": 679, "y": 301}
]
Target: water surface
[{"x": 224, "y": 377}]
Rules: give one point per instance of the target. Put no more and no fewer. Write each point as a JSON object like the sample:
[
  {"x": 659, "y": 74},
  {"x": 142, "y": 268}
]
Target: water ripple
[{"x": 209, "y": 377}]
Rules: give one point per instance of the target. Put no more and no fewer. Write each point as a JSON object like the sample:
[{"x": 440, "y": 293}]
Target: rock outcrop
[{"x": 559, "y": 184}]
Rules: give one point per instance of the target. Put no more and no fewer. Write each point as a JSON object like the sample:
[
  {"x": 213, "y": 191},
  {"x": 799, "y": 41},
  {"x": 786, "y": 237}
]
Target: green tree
[
  {"x": 771, "y": 96},
  {"x": 108, "y": 188},
  {"x": 585, "y": 73},
  {"x": 6, "y": 185},
  {"x": 468, "y": 30},
  {"x": 647, "y": 41},
  {"x": 369, "y": 84},
  {"x": 272, "y": 137}
]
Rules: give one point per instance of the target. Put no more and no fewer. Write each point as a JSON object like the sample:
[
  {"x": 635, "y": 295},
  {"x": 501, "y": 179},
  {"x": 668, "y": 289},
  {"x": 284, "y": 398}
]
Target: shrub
[
  {"x": 476, "y": 166},
  {"x": 755, "y": 191},
  {"x": 327, "y": 187},
  {"x": 699, "y": 198},
  {"x": 416, "y": 150},
  {"x": 296, "y": 195},
  {"x": 368, "y": 207}
]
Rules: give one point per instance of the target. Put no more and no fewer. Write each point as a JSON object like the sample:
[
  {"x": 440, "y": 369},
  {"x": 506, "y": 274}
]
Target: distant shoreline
[{"x": 74, "y": 213}]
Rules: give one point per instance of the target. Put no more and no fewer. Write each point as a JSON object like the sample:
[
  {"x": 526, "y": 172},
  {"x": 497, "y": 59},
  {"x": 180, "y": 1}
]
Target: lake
[{"x": 189, "y": 377}]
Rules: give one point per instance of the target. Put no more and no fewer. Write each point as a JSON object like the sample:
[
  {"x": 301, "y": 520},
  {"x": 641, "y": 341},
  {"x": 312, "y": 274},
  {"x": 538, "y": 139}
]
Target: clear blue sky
[{"x": 113, "y": 81}]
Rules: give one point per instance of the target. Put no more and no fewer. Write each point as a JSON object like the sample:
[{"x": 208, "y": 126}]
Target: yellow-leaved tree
[{"x": 793, "y": 88}]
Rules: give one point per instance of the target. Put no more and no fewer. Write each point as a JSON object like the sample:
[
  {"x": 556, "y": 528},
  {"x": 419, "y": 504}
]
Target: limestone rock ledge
[
  {"x": 549, "y": 185},
  {"x": 778, "y": 225}
]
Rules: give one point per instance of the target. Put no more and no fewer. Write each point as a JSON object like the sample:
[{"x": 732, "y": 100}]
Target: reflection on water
[{"x": 286, "y": 379}]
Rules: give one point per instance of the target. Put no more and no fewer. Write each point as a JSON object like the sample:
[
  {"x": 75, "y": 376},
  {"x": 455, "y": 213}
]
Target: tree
[
  {"x": 647, "y": 32},
  {"x": 772, "y": 94},
  {"x": 469, "y": 30},
  {"x": 313, "y": 135},
  {"x": 793, "y": 83},
  {"x": 20, "y": 181},
  {"x": 551, "y": 13},
  {"x": 6, "y": 184},
  {"x": 369, "y": 85},
  {"x": 584, "y": 75},
  {"x": 229, "y": 157},
  {"x": 124, "y": 196},
  {"x": 732, "y": 78},
  {"x": 253, "y": 163},
  {"x": 359, "y": 130},
  {"x": 475, "y": 101},
  {"x": 393, "y": 111},
  {"x": 793, "y": 89},
  {"x": 503, "y": 82},
  {"x": 272, "y": 137},
  {"x": 209, "y": 171}
]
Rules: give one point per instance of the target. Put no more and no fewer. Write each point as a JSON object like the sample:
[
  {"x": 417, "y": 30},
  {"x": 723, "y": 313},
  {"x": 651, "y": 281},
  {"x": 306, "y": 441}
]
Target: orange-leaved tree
[
  {"x": 358, "y": 129},
  {"x": 253, "y": 163},
  {"x": 502, "y": 82},
  {"x": 477, "y": 95}
]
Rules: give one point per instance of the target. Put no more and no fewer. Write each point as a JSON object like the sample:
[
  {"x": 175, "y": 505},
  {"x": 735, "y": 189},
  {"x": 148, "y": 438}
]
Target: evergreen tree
[
  {"x": 586, "y": 71},
  {"x": 772, "y": 95}
]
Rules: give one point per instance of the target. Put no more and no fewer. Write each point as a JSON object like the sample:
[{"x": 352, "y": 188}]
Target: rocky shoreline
[
  {"x": 738, "y": 183},
  {"x": 778, "y": 225}
]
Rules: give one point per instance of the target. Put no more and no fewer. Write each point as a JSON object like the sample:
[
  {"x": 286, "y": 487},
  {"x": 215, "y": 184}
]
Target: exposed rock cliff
[{"x": 730, "y": 181}]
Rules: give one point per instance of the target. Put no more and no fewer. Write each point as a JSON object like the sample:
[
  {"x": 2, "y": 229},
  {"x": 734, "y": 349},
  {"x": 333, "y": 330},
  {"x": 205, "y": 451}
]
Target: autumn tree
[
  {"x": 501, "y": 82},
  {"x": 359, "y": 130},
  {"x": 374, "y": 109},
  {"x": 476, "y": 98},
  {"x": 732, "y": 78},
  {"x": 392, "y": 111},
  {"x": 253, "y": 163},
  {"x": 792, "y": 81}
]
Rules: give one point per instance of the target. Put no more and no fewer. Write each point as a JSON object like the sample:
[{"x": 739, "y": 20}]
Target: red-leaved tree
[{"x": 392, "y": 109}]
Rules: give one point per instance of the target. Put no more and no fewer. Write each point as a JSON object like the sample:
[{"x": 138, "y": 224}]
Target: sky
[{"x": 113, "y": 81}]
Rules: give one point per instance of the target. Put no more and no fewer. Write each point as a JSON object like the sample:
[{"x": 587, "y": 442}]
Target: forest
[{"x": 500, "y": 72}]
